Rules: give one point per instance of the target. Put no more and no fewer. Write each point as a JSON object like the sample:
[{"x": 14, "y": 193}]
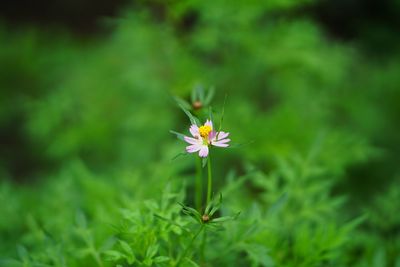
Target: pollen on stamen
[{"x": 205, "y": 130}]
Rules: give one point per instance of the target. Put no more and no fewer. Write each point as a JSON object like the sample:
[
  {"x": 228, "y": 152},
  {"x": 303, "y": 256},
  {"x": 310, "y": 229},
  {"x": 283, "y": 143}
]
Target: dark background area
[
  {"x": 79, "y": 17},
  {"x": 343, "y": 19}
]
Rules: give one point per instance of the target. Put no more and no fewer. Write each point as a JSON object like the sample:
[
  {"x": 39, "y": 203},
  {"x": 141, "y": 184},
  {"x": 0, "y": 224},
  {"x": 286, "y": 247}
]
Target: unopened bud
[
  {"x": 197, "y": 105},
  {"x": 205, "y": 218}
]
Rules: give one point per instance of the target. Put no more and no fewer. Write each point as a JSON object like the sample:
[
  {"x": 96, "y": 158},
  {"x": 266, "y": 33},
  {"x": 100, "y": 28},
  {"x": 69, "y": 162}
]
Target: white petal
[
  {"x": 194, "y": 130},
  {"x": 203, "y": 151},
  {"x": 193, "y": 148},
  {"x": 220, "y": 144},
  {"x": 191, "y": 140},
  {"x": 223, "y": 141},
  {"x": 221, "y": 135}
]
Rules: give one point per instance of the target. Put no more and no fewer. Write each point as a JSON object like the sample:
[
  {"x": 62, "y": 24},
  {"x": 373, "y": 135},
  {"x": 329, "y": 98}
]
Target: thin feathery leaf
[
  {"x": 210, "y": 113},
  {"x": 200, "y": 93},
  {"x": 208, "y": 208},
  {"x": 211, "y": 204},
  {"x": 203, "y": 162},
  {"x": 222, "y": 115},
  {"x": 209, "y": 97},
  {"x": 191, "y": 117},
  {"x": 181, "y": 102},
  {"x": 225, "y": 218},
  {"x": 172, "y": 223},
  {"x": 190, "y": 211},
  {"x": 178, "y": 135},
  {"x": 182, "y": 154},
  {"x": 217, "y": 206}
]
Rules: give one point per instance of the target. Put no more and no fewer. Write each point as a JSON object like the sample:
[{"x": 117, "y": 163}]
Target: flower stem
[
  {"x": 199, "y": 184},
  {"x": 209, "y": 185}
]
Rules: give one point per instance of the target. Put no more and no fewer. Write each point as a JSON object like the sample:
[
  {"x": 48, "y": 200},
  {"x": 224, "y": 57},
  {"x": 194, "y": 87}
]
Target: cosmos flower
[{"x": 205, "y": 136}]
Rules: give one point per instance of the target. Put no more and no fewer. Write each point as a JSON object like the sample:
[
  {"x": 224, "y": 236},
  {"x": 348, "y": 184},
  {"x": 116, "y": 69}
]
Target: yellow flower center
[{"x": 205, "y": 130}]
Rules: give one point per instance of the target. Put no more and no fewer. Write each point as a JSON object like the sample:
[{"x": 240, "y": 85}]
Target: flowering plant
[{"x": 203, "y": 137}]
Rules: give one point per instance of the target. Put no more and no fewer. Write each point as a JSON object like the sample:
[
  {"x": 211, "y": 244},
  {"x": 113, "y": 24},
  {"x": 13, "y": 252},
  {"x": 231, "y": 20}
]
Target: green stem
[
  {"x": 199, "y": 184},
  {"x": 189, "y": 246},
  {"x": 209, "y": 185}
]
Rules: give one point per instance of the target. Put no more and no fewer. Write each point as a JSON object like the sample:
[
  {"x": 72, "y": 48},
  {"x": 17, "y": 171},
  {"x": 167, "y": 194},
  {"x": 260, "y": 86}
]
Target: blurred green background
[{"x": 86, "y": 105}]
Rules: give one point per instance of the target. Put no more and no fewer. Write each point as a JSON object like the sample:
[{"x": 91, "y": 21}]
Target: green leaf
[
  {"x": 191, "y": 117},
  {"x": 191, "y": 212},
  {"x": 208, "y": 208},
  {"x": 222, "y": 115},
  {"x": 171, "y": 222},
  {"x": 113, "y": 255},
  {"x": 355, "y": 222},
  {"x": 126, "y": 247},
  {"x": 161, "y": 259},
  {"x": 210, "y": 114},
  {"x": 211, "y": 205},
  {"x": 222, "y": 219},
  {"x": 181, "y": 102},
  {"x": 148, "y": 262},
  {"x": 178, "y": 135},
  {"x": 209, "y": 97},
  {"x": 191, "y": 262},
  {"x": 152, "y": 251},
  {"x": 258, "y": 254},
  {"x": 180, "y": 155},
  {"x": 225, "y": 218},
  {"x": 217, "y": 205},
  {"x": 203, "y": 162},
  {"x": 198, "y": 94}
]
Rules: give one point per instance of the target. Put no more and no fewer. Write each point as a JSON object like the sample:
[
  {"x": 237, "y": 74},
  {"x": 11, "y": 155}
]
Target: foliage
[{"x": 87, "y": 176}]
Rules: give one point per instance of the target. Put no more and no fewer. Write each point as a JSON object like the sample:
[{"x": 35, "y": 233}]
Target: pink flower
[{"x": 203, "y": 137}]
